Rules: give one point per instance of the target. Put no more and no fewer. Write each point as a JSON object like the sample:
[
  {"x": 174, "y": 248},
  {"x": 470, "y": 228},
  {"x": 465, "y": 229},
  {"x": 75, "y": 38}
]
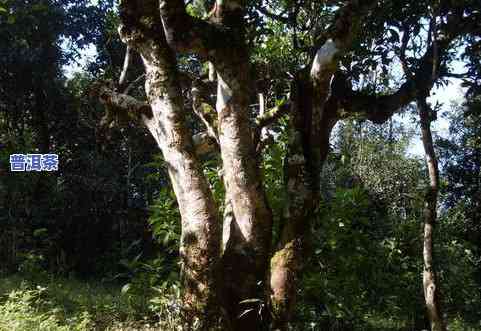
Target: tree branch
[
  {"x": 121, "y": 104},
  {"x": 129, "y": 107},
  {"x": 379, "y": 109},
  {"x": 266, "y": 119},
  {"x": 140, "y": 23},
  {"x": 203, "y": 109},
  {"x": 338, "y": 38},
  {"x": 185, "y": 33},
  {"x": 402, "y": 52},
  {"x": 123, "y": 75},
  {"x": 133, "y": 83},
  {"x": 272, "y": 115},
  {"x": 280, "y": 18}
]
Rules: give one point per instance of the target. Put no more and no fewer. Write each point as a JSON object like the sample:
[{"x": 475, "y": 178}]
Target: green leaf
[
  {"x": 250, "y": 301},
  {"x": 125, "y": 288}
]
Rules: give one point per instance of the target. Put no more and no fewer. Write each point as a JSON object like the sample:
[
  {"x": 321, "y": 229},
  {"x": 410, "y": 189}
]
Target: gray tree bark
[
  {"x": 200, "y": 237},
  {"x": 430, "y": 282}
]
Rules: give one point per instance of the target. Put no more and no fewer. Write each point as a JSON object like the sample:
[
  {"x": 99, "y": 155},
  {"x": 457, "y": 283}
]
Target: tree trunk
[
  {"x": 312, "y": 130},
  {"x": 430, "y": 284},
  {"x": 200, "y": 237},
  {"x": 287, "y": 260},
  {"x": 247, "y": 234},
  {"x": 311, "y": 123}
]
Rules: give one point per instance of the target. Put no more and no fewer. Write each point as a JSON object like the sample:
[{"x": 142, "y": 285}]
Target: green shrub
[{"x": 29, "y": 309}]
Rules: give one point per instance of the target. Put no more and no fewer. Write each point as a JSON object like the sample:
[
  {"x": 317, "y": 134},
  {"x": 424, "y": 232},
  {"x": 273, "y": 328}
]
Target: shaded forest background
[{"x": 95, "y": 245}]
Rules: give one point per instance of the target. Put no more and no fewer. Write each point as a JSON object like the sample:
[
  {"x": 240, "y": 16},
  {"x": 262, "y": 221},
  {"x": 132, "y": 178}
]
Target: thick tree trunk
[
  {"x": 430, "y": 284},
  {"x": 312, "y": 120},
  {"x": 247, "y": 232},
  {"x": 311, "y": 124},
  {"x": 200, "y": 237},
  {"x": 287, "y": 260}
]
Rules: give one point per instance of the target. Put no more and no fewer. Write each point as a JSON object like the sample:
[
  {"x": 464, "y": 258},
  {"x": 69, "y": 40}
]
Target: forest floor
[
  {"x": 33, "y": 303},
  {"x": 61, "y": 304}
]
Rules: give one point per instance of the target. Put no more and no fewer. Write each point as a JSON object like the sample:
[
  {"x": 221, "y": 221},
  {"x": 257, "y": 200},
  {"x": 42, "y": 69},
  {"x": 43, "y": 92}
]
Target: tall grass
[{"x": 60, "y": 304}]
